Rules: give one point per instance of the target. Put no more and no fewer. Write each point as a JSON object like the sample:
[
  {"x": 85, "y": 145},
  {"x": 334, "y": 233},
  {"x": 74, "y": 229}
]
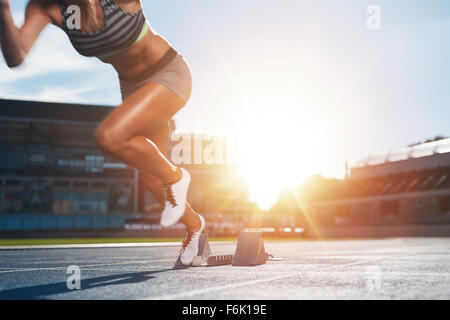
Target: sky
[{"x": 308, "y": 72}]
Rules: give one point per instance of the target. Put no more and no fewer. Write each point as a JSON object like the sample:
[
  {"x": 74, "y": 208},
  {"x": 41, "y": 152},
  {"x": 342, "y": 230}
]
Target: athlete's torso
[
  {"x": 132, "y": 60},
  {"x": 120, "y": 30}
]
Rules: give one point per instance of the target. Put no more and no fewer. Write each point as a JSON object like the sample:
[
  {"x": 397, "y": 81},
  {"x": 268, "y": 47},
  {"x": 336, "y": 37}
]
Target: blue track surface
[{"x": 353, "y": 269}]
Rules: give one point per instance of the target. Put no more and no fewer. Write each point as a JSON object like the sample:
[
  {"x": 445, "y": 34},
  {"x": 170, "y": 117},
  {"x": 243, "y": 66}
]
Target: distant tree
[
  {"x": 436, "y": 138},
  {"x": 316, "y": 187}
]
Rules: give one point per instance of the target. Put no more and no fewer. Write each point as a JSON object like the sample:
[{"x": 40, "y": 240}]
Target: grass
[{"x": 35, "y": 242}]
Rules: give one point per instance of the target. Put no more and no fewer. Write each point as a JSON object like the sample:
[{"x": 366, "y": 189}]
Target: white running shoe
[
  {"x": 190, "y": 244},
  {"x": 175, "y": 195}
]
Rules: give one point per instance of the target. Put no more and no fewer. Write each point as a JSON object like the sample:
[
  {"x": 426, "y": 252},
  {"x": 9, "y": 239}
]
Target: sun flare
[{"x": 273, "y": 152}]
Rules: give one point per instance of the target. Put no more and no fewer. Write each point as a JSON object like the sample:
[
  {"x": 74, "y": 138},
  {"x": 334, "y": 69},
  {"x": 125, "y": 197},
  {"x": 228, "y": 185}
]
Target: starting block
[
  {"x": 204, "y": 257},
  {"x": 250, "y": 251}
]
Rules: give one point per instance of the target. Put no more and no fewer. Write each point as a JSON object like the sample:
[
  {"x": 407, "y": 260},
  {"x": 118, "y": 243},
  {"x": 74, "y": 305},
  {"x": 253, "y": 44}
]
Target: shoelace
[
  {"x": 187, "y": 240},
  {"x": 168, "y": 193}
]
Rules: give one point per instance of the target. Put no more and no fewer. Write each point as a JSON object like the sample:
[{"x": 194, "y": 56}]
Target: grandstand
[
  {"x": 53, "y": 176},
  {"x": 405, "y": 186}
]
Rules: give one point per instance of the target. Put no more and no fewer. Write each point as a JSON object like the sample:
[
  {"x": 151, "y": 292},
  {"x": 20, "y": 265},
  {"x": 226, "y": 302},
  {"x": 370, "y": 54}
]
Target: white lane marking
[
  {"x": 83, "y": 266},
  {"x": 105, "y": 245},
  {"x": 310, "y": 272},
  {"x": 245, "y": 283},
  {"x": 383, "y": 273},
  {"x": 125, "y": 269}
]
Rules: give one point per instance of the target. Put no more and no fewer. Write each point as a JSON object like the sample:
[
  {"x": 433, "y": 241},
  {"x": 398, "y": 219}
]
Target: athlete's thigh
[{"x": 150, "y": 107}]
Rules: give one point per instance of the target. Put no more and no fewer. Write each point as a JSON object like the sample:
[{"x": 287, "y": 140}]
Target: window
[
  {"x": 444, "y": 203},
  {"x": 62, "y": 183},
  {"x": 85, "y": 159},
  {"x": 389, "y": 207},
  {"x": 99, "y": 185},
  {"x": 12, "y": 157},
  {"x": 11, "y": 182},
  {"x": 38, "y": 155},
  {"x": 81, "y": 202},
  {"x": 81, "y": 184}
]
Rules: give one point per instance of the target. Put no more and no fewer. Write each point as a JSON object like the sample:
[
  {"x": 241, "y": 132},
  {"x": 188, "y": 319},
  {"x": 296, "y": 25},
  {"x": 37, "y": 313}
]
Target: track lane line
[
  {"x": 245, "y": 283},
  {"x": 82, "y": 266}
]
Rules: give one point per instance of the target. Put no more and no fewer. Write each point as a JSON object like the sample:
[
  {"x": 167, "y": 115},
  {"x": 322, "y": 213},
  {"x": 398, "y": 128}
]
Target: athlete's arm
[{"x": 17, "y": 42}]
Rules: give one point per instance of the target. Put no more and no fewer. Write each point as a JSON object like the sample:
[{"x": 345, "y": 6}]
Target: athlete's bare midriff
[
  {"x": 134, "y": 60},
  {"x": 141, "y": 56}
]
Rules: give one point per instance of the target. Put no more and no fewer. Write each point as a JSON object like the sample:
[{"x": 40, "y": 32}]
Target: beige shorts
[{"x": 176, "y": 76}]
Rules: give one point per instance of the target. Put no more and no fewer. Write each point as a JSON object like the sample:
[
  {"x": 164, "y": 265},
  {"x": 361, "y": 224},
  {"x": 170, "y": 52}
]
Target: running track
[{"x": 395, "y": 268}]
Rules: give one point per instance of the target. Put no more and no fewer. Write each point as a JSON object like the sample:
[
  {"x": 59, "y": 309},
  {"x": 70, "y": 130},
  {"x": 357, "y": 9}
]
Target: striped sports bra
[{"x": 121, "y": 30}]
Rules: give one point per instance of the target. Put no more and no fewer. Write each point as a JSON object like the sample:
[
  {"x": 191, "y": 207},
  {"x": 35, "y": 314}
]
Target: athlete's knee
[{"x": 107, "y": 140}]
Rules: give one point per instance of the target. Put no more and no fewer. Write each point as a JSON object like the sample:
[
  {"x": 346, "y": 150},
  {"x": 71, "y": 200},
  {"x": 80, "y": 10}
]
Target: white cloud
[
  {"x": 52, "y": 53},
  {"x": 53, "y": 94}
]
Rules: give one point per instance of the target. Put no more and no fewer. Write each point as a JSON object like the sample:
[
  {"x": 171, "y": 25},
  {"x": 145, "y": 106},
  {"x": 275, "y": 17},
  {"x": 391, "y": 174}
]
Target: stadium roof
[
  {"x": 417, "y": 151},
  {"x": 429, "y": 155},
  {"x": 33, "y": 110}
]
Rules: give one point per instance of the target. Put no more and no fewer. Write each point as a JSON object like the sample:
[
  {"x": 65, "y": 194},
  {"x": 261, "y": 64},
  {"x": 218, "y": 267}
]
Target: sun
[{"x": 274, "y": 151}]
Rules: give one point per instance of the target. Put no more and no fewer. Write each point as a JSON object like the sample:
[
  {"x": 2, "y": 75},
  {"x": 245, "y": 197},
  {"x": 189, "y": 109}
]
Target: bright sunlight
[{"x": 274, "y": 152}]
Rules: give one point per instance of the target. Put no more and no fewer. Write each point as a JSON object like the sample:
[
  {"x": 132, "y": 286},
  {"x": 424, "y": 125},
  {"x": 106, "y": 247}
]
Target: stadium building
[
  {"x": 53, "y": 176},
  {"x": 408, "y": 186}
]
